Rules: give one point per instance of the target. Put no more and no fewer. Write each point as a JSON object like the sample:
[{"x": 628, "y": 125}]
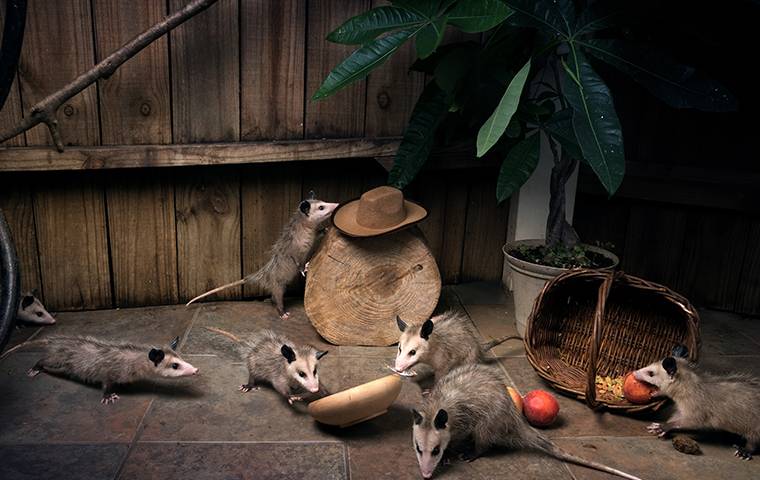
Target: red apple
[
  {"x": 517, "y": 398},
  {"x": 636, "y": 391},
  {"x": 541, "y": 408}
]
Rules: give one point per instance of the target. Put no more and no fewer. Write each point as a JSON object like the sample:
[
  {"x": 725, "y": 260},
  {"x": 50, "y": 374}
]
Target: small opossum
[
  {"x": 706, "y": 401},
  {"x": 290, "y": 368},
  {"x": 471, "y": 403},
  {"x": 289, "y": 254},
  {"x": 108, "y": 363},
  {"x": 444, "y": 342},
  {"x": 31, "y": 310}
]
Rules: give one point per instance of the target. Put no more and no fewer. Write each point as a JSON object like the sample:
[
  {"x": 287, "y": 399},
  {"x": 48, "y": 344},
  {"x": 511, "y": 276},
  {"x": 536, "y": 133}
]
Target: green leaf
[
  {"x": 367, "y": 26},
  {"x": 475, "y": 16},
  {"x": 560, "y": 128},
  {"x": 426, "y": 8},
  {"x": 517, "y": 168},
  {"x": 595, "y": 121},
  {"x": 494, "y": 127},
  {"x": 430, "y": 37},
  {"x": 598, "y": 16},
  {"x": 361, "y": 62},
  {"x": 452, "y": 67},
  {"x": 556, "y": 17},
  {"x": 679, "y": 86},
  {"x": 430, "y": 109}
]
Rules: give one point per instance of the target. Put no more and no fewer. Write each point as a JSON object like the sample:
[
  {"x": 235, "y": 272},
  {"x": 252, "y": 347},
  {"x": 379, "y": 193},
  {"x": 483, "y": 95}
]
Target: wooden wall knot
[
  {"x": 383, "y": 100},
  {"x": 145, "y": 109},
  {"x": 68, "y": 110}
]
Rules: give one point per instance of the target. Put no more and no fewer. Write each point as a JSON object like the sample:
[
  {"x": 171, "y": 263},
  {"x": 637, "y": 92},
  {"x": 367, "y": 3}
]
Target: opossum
[
  {"x": 289, "y": 254},
  {"x": 31, "y": 310},
  {"x": 443, "y": 342},
  {"x": 706, "y": 401},
  {"x": 471, "y": 402},
  {"x": 290, "y": 368},
  {"x": 108, "y": 363}
]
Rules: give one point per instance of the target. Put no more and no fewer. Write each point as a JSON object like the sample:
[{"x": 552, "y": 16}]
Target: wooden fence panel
[{"x": 486, "y": 231}]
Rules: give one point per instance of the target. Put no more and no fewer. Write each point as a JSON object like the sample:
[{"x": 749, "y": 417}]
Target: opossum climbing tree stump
[{"x": 356, "y": 286}]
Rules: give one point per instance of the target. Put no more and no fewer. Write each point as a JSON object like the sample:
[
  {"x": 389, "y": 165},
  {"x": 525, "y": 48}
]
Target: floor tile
[
  {"x": 655, "y": 459},
  {"x": 53, "y": 409},
  {"x": 496, "y": 321},
  {"x": 56, "y": 462},
  {"x": 725, "y": 334},
  {"x": 20, "y": 335},
  {"x": 260, "y": 461},
  {"x": 486, "y": 293}
]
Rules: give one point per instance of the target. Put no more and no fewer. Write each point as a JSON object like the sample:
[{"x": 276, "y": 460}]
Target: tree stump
[{"x": 356, "y": 286}]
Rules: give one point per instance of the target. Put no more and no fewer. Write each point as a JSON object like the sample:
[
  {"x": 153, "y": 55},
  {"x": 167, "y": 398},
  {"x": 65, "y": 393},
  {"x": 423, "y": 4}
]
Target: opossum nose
[
  {"x": 314, "y": 389},
  {"x": 195, "y": 372}
]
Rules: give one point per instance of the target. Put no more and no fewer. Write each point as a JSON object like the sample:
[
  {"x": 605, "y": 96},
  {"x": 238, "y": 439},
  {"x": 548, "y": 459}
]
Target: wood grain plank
[
  {"x": 599, "y": 219},
  {"x": 11, "y": 115},
  {"x": 342, "y": 114},
  {"x": 134, "y": 156},
  {"x": 134, "y": 101},
  {"x": 205, "y": 75},
  {"x": 486, "y": 231},
  {"x": 429, "y": 190},
  {"x": 336, "y": 180},
  {"x": 71, "y": 232},
  {"x": 273, "y": 37},
  {"x": 17, "y": 205},
  {"x": 58, "y": 45},
  {"x": 208, "y": 231},
  {"x": 392, "y": 91},
  {"x": 270, "y": 194},
  {"x": 748, "y": 295},
  {"x": 142, "y": 238},
  {"x": 454, "y": 228}
]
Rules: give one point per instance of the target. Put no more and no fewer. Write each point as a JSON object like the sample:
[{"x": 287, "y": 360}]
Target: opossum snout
[
  {"x": 196, "y": 371},
  {"x": 313, "y": 389}
]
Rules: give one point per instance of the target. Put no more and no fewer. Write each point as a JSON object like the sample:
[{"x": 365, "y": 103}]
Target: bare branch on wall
[{"x": 45, "y": 110}]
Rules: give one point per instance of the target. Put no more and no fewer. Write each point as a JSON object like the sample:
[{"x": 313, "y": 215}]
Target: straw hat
[{"x": 378, "y": 211}]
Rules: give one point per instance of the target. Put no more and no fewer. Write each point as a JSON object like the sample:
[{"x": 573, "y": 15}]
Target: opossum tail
[
  {"x": 223, "y": 332},
  {"x": 489, "y": 345},
  {"x": 30, "y": 341},
  {"x": 544, "y": 444},
  {"x": 250, "y": 278}
]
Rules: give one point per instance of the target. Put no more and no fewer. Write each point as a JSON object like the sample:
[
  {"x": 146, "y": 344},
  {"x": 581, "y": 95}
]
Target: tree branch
[{"x": 45, "y": 110}]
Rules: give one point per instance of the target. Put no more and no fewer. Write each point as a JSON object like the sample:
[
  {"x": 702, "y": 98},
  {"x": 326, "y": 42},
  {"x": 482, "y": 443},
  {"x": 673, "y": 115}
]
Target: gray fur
[
  {"x": 104, "y": 362},
  {"x": 288, "y": 255},
  {"x": 478, "y": 407},
  {"x": 266, "y": 362},
  {"x": 452, "y": 343},
  {"x": 707, "y": 401}
]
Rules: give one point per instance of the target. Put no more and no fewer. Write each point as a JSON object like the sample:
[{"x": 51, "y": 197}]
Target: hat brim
[{"x": 344, "y": 219}]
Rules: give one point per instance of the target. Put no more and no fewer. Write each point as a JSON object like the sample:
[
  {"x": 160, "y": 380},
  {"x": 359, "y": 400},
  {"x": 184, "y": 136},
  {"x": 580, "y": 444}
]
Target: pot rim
[{"x": 545, "y": 271}]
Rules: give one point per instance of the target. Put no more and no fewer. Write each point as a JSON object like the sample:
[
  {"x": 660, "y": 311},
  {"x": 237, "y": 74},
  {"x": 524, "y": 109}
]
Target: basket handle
[{"x": 596, "y": 337}]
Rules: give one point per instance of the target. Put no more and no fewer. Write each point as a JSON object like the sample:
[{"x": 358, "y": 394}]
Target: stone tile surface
[
  {"x": 497, "y": 321},
  {"x": 260, "y": 461},
  {"x": 56, "y": 462},
  {"x": 480, "y": 293}
]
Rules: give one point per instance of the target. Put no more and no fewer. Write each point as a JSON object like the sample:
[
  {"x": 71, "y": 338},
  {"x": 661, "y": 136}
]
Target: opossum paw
[
  {"x": 742, "y": 453},
  {"x": 33, "y": 372},
  {"x": 656, "y": 429},
  {"x": 108, "y": 399},
  {"x": 247, "y": 387},
  {"x": 285, "y": 316},
  {"x": 425, "y": 392},
  {"x": 294, "y": 398}
]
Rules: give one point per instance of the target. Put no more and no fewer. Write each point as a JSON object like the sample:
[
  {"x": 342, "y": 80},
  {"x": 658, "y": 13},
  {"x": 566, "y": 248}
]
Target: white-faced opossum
[
  {"x": 706, "y": 401},
  {"x": 289, "y": 253},
  {"x": 290, "y": 368},
  {"x": 471, "y": 402},
  {"x": 108, "y": 363},
  {"x": 443, "y": 342},
  {"x": 31, "y": 310}
]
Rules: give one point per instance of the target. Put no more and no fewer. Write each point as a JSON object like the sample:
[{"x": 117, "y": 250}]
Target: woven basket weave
[{"x": 586, "y": 323}]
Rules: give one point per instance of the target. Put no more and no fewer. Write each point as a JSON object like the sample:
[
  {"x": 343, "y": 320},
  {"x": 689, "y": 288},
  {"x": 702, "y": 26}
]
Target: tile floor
[{"x": 203, "y": 428}]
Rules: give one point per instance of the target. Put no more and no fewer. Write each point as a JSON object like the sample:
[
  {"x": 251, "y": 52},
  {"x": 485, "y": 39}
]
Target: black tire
[{"x": 9, "y": 282}]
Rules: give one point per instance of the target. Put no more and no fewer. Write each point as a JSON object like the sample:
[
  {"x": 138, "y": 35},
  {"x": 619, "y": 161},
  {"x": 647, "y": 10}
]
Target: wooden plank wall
[{"x": 242, "y": 71}]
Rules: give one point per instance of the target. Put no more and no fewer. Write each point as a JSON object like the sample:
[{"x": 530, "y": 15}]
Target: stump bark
[{"x": 357, "y": 286}]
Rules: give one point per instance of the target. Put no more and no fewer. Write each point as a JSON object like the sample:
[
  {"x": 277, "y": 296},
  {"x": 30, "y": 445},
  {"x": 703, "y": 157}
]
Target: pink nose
[
  {"x": 195, "y": 372},
  {"x": 314, "y": 389}
]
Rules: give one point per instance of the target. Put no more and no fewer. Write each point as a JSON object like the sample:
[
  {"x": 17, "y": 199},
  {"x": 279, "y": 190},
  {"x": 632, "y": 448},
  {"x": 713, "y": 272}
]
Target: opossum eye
[
  {"x": 315, "y": 372},
  {"x": 650, "y": 373},
  {"x": 412, "y": 352},
  {"x": 175, "y": 366},
  {"x": 321, "y": 207},
  {"x": 417, "y": 446},
  {"x": 436, "y": 450},
  {"x": 39, "y": 314},
  {"x": 301, "y": 374}
]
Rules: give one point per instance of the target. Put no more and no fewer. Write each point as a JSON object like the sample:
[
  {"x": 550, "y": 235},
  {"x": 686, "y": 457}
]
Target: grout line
[
  {"x": 347, "y": 459},
  {"x": 243, "y": 442},
  {"x": 135, "y": 438}
]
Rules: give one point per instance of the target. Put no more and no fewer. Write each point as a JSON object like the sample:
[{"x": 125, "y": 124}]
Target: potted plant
[{"x": 530, "y": 77}]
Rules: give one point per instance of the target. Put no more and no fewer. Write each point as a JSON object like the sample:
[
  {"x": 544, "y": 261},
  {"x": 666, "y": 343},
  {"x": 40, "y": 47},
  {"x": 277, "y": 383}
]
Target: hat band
[{"x": 372, "y": 218}]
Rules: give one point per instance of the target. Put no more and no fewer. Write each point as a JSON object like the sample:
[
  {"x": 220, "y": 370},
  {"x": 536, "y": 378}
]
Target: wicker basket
[{"x": 589, "y": 322}]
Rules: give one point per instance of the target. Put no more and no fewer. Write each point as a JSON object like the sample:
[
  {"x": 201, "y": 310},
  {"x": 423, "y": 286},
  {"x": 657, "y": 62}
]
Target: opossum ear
[
  {"x": 155, "y": 355},
  {"x": 288, "y": 353},
  {"x": 441, "y": 419},
  {"x": 26, "y": 301},
  {"x": 401, "y": 324},
  {"x": 426, "y": 330},
  {"x": 669, "y": 364},
  {"x": 173, "y": 344},
  {"x": 417, "y": 416},
  {"x": 321, "y": 354},
  {"x": 680, "y": 351},
  {"x": 304, "y": 207},
  {"x": 312, "y": 195}
]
